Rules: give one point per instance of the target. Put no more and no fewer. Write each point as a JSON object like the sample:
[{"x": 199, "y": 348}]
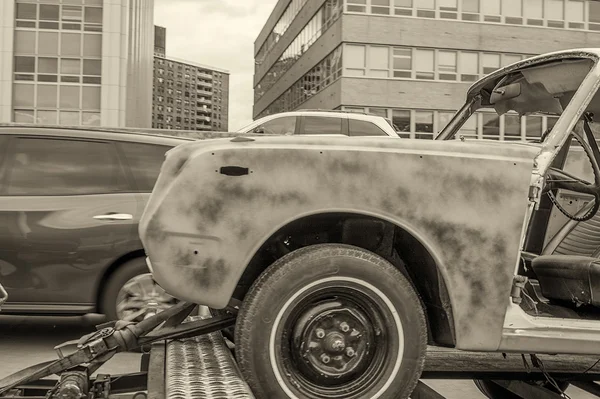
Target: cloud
[{"x": 219, "y": 33}]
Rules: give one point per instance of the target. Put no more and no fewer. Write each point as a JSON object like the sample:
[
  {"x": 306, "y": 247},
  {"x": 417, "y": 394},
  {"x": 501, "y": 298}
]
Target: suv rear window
[
  {"x": 364, "y": 128},
  {"x": 322, "y": 125},
  {"x": 145, "y": 161},
  {"x": 44, "y": 166}
]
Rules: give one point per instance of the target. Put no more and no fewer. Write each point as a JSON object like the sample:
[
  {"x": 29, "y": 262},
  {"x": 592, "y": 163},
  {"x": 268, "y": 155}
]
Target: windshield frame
[{"x": 568, "y": 118}]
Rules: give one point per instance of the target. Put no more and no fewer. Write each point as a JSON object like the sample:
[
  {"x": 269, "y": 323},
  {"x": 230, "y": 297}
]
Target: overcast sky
[{"x": 218, "y": 33}]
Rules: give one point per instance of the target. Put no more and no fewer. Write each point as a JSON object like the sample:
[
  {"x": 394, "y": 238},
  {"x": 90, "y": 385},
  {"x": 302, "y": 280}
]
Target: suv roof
[{"x": 338, "y": 111}]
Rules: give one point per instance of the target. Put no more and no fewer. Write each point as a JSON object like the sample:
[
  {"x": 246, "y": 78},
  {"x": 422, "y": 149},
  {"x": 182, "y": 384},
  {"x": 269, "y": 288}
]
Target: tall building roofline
[{"x": 195, "y": 64}]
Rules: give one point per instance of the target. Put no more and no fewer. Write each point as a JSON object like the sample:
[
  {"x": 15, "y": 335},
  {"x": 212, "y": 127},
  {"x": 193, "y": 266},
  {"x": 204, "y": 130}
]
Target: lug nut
[
  {"x": 344, "y": 326},
  {"x": 325, "y": 359},
  {"x": 350, "y": 352},
  {"x": 320, "y": 333}
]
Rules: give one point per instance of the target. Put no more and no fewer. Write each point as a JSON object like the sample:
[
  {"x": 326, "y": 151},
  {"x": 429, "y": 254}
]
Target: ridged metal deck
[{"x": 203, "y": 367}]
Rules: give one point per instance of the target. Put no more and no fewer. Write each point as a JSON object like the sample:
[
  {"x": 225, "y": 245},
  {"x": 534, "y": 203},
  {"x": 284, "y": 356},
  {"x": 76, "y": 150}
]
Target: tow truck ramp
[
  {"x": 195, "y": 368},
  {"x": 204, "y": 367}
]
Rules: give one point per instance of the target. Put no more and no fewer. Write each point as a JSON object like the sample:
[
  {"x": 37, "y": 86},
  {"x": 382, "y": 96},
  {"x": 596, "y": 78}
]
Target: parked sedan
[{"x": 70, "y": 203}]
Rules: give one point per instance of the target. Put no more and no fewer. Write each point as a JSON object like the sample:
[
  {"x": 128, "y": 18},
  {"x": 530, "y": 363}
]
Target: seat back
[{"x": 577, "y": 238}]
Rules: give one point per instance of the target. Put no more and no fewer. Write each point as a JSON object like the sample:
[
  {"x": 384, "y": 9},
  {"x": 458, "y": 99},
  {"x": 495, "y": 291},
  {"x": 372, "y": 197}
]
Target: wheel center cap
[{"x": 335, "y": 342}]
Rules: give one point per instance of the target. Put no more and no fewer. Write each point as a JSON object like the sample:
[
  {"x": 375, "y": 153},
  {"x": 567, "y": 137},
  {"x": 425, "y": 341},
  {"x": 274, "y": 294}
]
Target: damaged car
[{"x": 346, "y": 258}]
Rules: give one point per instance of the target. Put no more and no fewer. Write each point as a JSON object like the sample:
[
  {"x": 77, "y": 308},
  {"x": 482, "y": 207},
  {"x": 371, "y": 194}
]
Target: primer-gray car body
[{"x": 467, "y": 202}]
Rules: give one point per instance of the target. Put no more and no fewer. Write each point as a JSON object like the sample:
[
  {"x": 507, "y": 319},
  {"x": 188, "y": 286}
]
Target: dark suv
[{"x": 70, "y": 202}]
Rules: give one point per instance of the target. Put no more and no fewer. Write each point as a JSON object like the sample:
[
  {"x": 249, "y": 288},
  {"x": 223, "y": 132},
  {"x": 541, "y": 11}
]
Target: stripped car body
[{"x": 461, "y": 209}]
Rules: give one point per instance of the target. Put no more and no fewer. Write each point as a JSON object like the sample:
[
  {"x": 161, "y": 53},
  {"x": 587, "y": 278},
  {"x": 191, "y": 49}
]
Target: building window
[
  {"x": 328, "y": 71},
  {"x": 469, "y": 66},
  {"x": 403, "y": 7},
  {"x": 470, "y": 10},
  {"x": 447, "y": 65},
  {"x": 534, "y": 126},
  {"x": 312, "y": 31},
  {"x": 490, "y": 63},
  {"x": 508, "y": 59},
  {"x": 23, "y": 95},
  {"x": 25, "y": 65},
  {"x": 402, "y": 62},
  {"x": 512, "y": 11},
  {"x": 26, "y": 12},
  {"x": 448, "y": 9},
  {"x": 424, "y": 64},
  {"x": 469, "y": 128},
  {"x": 554, "y": 13},
  {"x": 534, "y": 12},
  {"x": 443, "y": 119},
  {"x": 424, "y": 124},
  {"x": 401, "y": 120},
  {"x": 569, "y": 14},
  {"x": 491, "y": 125},
  {"x": 356, "y": 5},
  {"x": 425, "y": 8},
  {"x": 575, "y": 14},
  {"x": 380, "y": 7},
  {"x": 354, "y": 60},
  {"x": 491, "y": 11},
  {"x": 379, "y": 62},
  {"x": 25, "y": 42},
  {"x": 47, "y": 43},
  {"x": 594, "y": 15},
  {"x": 512, "y": 126},
  {"x": 428, "y": 64}
]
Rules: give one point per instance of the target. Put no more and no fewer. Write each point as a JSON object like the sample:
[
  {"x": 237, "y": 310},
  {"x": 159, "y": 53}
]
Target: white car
[{"x": 322, "y": 122}]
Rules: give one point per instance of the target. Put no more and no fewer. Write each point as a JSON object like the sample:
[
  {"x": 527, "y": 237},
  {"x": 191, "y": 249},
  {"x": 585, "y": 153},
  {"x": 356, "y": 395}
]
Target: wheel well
[
  {"x": 390, "y": 241},
  {"x": 110, "y": 270}
]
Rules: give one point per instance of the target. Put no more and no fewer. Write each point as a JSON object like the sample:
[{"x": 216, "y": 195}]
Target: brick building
[{"x": 186, "y": 95}]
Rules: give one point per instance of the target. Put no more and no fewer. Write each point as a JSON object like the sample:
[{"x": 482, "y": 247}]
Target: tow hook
[{"x": 518, "y": 285}]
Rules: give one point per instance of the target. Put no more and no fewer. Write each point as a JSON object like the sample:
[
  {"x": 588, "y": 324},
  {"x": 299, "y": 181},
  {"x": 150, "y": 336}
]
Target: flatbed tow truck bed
[
  {"x": 190, "y": 359},
  {"x": 203, "y": 367}
]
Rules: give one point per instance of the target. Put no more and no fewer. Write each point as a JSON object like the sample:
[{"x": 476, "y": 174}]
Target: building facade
[
  {"x": 186, "y": 95},
  {"x": 160, "y": 41},
  {"x": 410, "y": 60},
  {"x": 76, "y": 62}
]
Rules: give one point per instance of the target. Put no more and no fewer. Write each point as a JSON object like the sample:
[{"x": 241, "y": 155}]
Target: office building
[
  {"x": 187, "y": 95},
  {"x": 76, "y": 62},
  {"x": 410, "y": 60}
]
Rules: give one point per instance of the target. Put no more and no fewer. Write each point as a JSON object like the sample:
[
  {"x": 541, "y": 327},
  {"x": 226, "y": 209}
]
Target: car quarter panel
[{"x": 466, "y": 202}]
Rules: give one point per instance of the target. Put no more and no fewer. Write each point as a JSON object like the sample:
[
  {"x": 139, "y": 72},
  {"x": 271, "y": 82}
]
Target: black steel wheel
[{"x": 331, "y": 321}]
